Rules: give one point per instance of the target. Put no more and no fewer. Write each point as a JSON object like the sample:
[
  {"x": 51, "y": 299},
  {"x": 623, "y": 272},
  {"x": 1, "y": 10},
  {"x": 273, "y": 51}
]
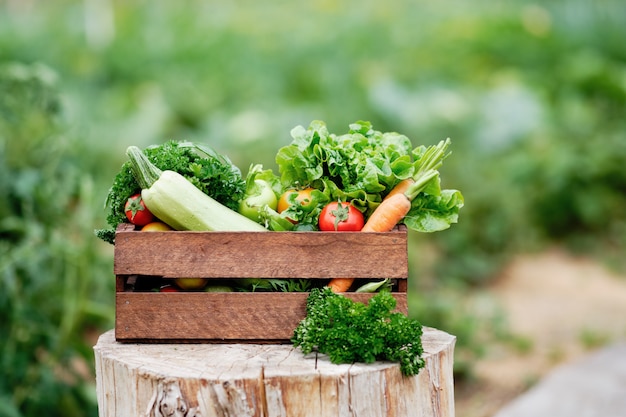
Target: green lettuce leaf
[
  {"x": 433, "y": 213},
  {"x": 361, "y": 165}
]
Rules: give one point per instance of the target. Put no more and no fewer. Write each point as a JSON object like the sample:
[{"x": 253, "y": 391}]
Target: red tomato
[
  {"x": 340, "y": 217},
  {"x": 137, "y": 212}
]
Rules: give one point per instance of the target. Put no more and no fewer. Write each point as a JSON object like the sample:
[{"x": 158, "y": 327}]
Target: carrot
[
  {"x": 388, "y": 213},
  {"x": 397, "y": 203},
  {"x": 400, "y": 188},
  {"x": 340, "y": 284},
  {"x": 383, "y": 219},
  {"x": 386, "y": 216}
]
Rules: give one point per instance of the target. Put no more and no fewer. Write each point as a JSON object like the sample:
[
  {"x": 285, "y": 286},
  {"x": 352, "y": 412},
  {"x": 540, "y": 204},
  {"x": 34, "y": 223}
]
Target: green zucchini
[{"x": 176, "y": 201}]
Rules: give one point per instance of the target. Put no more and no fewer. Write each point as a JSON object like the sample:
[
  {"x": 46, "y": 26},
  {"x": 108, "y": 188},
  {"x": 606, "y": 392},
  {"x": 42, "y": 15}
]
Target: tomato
[
  {"x": 303, "y": 197},
  {"x": 340, "y": 217},
  {"x": 191, "y": 284},
  {"x": 156, "y": 227},
  {"x": 137, "y": 212}
]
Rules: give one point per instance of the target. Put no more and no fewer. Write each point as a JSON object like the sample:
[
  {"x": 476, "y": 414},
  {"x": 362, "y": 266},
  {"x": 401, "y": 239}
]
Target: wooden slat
[
  {"x": 259, "y": 254},
  {"x": 215, "y": 317}
]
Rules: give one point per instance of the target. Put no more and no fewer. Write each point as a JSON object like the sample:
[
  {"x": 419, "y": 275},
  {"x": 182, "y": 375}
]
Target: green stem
[
  {"x": 433, "y": 156},
  {"x": 144, "y": 171},
  {"x": 421, "y": 181}
]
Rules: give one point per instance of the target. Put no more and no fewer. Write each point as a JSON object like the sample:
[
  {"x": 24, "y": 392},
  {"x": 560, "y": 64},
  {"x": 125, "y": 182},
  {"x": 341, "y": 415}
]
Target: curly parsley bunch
[{"x": 348, "y": 331}]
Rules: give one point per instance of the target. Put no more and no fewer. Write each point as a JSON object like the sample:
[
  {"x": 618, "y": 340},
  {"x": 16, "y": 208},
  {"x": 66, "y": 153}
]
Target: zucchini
[{"x": 176, "y": 201}]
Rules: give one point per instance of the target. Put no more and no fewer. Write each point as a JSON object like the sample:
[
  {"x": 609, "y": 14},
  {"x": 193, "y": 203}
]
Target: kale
[
  {"x": 212, "y": 173},
  {"x": 349, "y": 331}
]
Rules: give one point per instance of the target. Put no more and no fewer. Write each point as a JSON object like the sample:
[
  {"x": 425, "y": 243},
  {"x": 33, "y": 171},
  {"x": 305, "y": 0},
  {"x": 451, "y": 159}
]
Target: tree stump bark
[{"x": 266, "y": 380}]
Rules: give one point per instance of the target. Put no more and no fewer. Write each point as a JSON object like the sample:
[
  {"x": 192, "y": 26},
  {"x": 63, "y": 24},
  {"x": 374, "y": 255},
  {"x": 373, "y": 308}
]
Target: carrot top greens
[{"x": 348, "y": 331}]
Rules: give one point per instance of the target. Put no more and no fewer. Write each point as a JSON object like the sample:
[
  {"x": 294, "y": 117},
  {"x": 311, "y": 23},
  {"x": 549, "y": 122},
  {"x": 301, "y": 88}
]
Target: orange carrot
[
  {"x": 400, "y": 188},
  {"x": 387, "y": 215},
  {"x": 383, "y": 219},
  {"x": 397, "y": 203},
  {"x": 340, "y": 284}
]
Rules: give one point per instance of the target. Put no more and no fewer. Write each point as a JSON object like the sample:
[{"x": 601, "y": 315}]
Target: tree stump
[{"x": 266, "y": 380}]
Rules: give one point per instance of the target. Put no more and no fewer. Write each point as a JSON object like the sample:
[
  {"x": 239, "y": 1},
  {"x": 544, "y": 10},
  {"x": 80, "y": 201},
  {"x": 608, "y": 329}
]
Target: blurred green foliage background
[{"x": 533, "y": 96}]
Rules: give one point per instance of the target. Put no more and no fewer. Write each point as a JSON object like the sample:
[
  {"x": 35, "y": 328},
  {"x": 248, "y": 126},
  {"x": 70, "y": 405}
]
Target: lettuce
[
  {"x": 434, "y": 212},
  {"x": 362, "y": 166}
]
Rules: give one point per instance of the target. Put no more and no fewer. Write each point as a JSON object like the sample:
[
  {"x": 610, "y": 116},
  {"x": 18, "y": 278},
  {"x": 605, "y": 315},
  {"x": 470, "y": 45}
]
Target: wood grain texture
[
  {"x": 219, "y": 317},
  {"x": 261, "y": 255},
  {"x": 215, "y": 317},
  {"x": 266, "y": 380}
]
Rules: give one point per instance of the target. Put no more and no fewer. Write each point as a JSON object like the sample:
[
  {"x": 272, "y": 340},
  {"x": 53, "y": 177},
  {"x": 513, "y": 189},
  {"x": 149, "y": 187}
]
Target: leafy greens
[
  {"x": 362, "y": 167},
  {"x": 213, "y": 173},
  {"x": 349, "y": 331}
]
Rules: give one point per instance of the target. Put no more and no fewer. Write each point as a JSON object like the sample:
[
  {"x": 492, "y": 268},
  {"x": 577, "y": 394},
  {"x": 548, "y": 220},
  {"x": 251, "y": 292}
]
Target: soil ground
[{"x": 559, "y": 307}]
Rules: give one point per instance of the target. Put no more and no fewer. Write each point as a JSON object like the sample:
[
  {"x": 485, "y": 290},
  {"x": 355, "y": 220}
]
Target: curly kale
[
  {"x": 212, "y": 173},
  {"x": 348, "y": 331}
]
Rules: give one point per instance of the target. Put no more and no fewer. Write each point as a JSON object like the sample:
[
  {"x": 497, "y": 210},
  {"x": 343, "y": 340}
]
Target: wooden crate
[{"x": 149, "y": 316}]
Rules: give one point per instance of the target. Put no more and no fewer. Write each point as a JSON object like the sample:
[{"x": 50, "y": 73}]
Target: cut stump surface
[{"x": 266, "y": 380}]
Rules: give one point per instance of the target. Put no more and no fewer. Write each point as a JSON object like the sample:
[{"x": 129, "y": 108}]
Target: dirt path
[{"x": 558, "y": 307}]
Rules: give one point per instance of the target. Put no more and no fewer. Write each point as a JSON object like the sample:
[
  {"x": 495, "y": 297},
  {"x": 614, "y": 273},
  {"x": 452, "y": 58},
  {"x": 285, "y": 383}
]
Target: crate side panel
[
  {"x": 266, "y": 255},
  {"x": 205, "y": 316},
  {"x": 215, "y": 316}
]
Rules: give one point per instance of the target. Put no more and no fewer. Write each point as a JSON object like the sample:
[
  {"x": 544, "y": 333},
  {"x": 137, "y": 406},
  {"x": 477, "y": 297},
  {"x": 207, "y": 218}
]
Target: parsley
[
  {"x": 348, "y": 331},
  {"x": 212, "y": 173}
]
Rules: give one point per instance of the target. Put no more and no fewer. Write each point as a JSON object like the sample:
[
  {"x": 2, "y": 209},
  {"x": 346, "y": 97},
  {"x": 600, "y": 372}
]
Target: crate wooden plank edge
[
  {"x": 261, "y": 254},
  {"x": 216, "y": 317}
]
